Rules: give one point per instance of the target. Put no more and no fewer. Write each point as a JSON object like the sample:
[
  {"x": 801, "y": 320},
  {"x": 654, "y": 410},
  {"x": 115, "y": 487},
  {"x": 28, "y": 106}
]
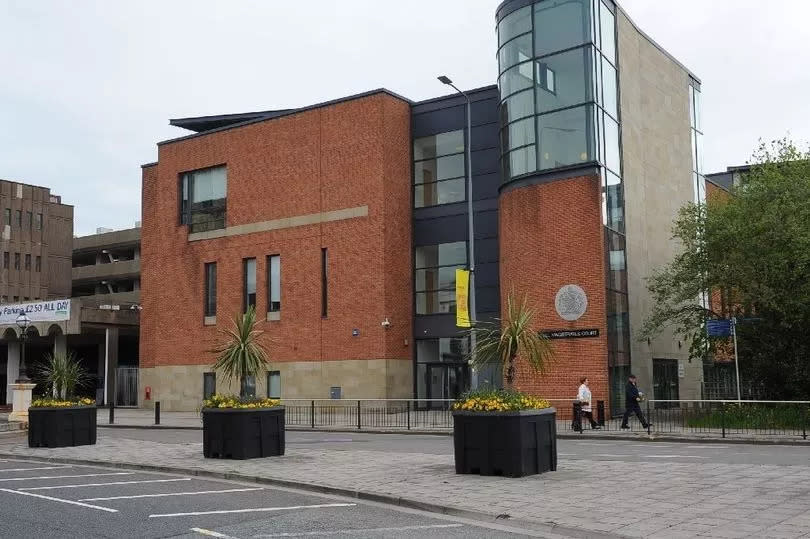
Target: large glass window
[
  {"x": 516, "y": 23},
  {"x": 520, "y": 161},
  {"x": 616, "y": 261},
  {"x": 615, "y": 202},
  {"x": 517, "y": 106},
  {"x": 563, "y": 138},
  {"x": 560, "y": 25},
  {"x": 448, "y": 350},
  {"x": 612, "y": 157},
  {"x": 608, "y": 25},
  {"x": 563, "y": 79},
  {"x": 520, "y": 133},
  {"x": 516, "y": 51},
  {"x": 274, "y": 384},
  {"x": 610, "y": 94},
  {"x": 203, "y": 199},
  {"x": 273, "y": 283},
  {"x": 249, "y": 283},
  {"x": 439, "y": 169},
  {"x": 516, "y": 78},
  {"x": 435, "y": 278},
  {"x": 697, "y": 144}
]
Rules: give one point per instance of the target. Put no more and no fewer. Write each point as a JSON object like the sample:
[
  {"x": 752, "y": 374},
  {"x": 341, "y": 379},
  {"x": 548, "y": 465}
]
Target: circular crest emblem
[{"x": 571, "y": 302}]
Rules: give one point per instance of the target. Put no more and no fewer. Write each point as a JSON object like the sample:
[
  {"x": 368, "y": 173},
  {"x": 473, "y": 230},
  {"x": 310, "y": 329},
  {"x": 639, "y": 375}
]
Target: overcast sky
[{"x": 87, "y": 88}]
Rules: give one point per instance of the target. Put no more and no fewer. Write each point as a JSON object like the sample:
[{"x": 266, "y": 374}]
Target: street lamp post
[
  {"x": 470, "y": 224},
  {"x": 23, "y": 322}
]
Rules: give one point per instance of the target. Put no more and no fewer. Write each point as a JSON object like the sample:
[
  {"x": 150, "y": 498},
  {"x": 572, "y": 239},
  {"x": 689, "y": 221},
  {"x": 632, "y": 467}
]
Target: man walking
[{"x": 632, "y": 397}]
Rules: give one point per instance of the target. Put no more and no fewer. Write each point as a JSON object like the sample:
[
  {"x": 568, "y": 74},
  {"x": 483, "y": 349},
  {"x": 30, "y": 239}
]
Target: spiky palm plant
[
  {"x": 62, "y": 374},
  {"x": 502, "y": 341},
  {"x": 241, "y": 354}
]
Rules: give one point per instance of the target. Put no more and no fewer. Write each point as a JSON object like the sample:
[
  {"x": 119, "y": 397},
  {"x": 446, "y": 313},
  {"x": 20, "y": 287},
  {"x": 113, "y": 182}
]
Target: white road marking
[
  {"x": 32, "y": 469},
  {"x": 106, "y": 484},
  {"x": 63, "y": 476},
  {"x": 71, "y": 502},
  {"x": 254, "y": 510},
  {"x": 674, "y": 456},
  {"x": 609, "y": 455},
  {"x": 362, "y": 530},
  {"x": 707, "y": 446},
  {"x": 651, "y": 444},
  {"x": 209, "y": 533},
  {"x": 171, "y": 494}
]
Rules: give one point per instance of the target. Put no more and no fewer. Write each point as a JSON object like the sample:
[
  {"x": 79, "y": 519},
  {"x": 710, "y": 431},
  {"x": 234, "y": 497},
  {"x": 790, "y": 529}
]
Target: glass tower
[{"x": 559, "y": 90}]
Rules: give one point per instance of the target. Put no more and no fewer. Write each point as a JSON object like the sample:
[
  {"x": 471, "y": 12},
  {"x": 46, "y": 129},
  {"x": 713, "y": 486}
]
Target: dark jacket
[{"x": 631, "y": 395}]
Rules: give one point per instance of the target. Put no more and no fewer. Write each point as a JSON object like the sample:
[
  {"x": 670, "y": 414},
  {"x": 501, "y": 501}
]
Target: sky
[{"x": 87, "y": 87}]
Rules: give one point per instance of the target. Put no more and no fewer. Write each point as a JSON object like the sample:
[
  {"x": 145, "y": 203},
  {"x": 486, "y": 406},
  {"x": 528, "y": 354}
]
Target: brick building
[{"x": 344, "y": 222}]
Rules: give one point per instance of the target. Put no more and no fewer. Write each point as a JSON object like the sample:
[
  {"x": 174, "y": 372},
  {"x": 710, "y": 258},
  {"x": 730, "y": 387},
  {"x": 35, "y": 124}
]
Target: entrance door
[
  {"x": 665, "y": 382},
  {"x": 126, "y": 386},
  {"x": 446, "y": 381}
]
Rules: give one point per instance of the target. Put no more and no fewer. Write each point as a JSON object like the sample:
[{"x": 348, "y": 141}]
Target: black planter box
[
  {"x": 61, "y": 427},
  {"x": 246, "y": 433},
  {"x": 512, "y": 444}
]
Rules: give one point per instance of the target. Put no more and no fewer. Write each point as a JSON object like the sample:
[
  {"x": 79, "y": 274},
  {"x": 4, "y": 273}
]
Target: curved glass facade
[{"x": 558, "y": 87}]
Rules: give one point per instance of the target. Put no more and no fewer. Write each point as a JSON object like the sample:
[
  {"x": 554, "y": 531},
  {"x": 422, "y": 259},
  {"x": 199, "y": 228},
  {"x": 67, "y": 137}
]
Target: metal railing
[{"x": 716, "y": 418}]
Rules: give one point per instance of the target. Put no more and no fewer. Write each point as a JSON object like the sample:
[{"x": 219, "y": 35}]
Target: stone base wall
[{"x": 180, "y": 387}]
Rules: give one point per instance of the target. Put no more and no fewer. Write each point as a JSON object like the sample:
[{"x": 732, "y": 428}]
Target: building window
[
  {"x": 249, "y": 282},
  {"x": 5, "y": 259},
  {"x": 28, "y": 262},
  {"x": 29, "y": 220},
  {"x": 8, "y": 216},
  {"x": 439, "y": 169},
  {"x": 247, "y": 386},
  {"x": 38, "y": 222},
  {"x": 16, "y": 261},
  {"x": 273, "y": 283},
  {"x": 274, "y": 385},
  {"x": 435, "y": 276},
  {"x": 203, "y": 199},
  {"x": 209, "y": 384},
  {"x": 442, "y": 371},
  {"x": 211, "y": 289},
  {"x": 697, "y": 144},
  {"x": 18, "y": 218},
  {"x": 38, "y": 264},
  {"x": 16, "y": 299},
  {"x": 324, "y": 282}
]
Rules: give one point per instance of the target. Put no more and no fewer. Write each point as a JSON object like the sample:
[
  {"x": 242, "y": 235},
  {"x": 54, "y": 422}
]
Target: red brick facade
[
  {"x": 346, "y": 155},
  {"x": 551, "y": 234}
]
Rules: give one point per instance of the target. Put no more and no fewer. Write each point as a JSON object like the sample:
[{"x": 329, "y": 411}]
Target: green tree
[
  {"x": 501, "y": 342},
  {"x": 753, "y": 251},
  {"x": 241, "y": 353}
]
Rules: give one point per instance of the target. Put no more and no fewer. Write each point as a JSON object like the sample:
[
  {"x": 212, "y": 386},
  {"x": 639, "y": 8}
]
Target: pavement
[{"x": 601, "y": 488}]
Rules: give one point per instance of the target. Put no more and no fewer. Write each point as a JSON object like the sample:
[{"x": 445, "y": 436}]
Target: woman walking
[{"x": 584, "y": 398}]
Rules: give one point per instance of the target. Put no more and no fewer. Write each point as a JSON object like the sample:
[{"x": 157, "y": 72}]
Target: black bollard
[
  {"x": 112, "y": 413},
  {"x": 600, "y": 413},
  {"x": 157, "y": 412}
]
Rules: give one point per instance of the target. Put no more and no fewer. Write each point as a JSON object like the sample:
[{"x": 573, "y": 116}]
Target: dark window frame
[
  {"x": 437, "y": 291},
  {"x": 271, "y": 374},
  {"x": 6, "y": 260},
  {"x": 324, "y": 282},
  {"x": 273, "y": 306},
  {"x": 7, "y": 215},
  {"x": 28, "y": 261},
  {"x": 210, "y": 289},
  {"x": 38, "y": 264},
  {"x": 206, "y": 377},
  {"x": 18, "y": 218},
  {"x": 17, "y": 259},
  {"x": 436, "y": 157},
  {"x": 186, "y": 195},
  {"x": 38, "y": 222},
  {"x": 245, "y": 294}
]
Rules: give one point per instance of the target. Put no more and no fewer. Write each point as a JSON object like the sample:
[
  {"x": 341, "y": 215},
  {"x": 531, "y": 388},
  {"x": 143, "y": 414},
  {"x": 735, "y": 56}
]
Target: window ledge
[
  {"x": 210, "y": 321},
  {"x": 273, "y": 316}
]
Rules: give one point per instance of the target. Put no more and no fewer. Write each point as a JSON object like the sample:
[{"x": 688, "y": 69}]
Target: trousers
[{"x": 634, "y": 408}]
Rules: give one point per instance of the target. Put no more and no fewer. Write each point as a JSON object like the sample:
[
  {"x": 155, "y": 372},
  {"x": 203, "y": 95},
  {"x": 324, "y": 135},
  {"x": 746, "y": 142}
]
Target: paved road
[
  {"x": 45, "y": 500},
  {"x": 600, "y": 450}
]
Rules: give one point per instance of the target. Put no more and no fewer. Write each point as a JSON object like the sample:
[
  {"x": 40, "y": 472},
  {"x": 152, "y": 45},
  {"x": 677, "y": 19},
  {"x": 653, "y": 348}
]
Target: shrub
[
  {"x": 232, "y": 401},
  {"x": 498, "y": 400},
  {"x": 48, "y": 402},
  {"x": 752, "y": 416}
]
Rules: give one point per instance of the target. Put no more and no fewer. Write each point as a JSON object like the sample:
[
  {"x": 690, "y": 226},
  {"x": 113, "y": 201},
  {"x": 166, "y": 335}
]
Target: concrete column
[
  {"x": 102, "y": 375},
  {"x": 12, "y": 368},
  {"x": 110, "y": 362},
  {"x": 60, "y": 344}
]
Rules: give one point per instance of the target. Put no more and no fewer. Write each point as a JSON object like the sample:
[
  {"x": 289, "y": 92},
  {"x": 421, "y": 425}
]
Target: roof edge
[
  {"x": 147, "y": 165},
  {"x": 290, "y": 113},
  {"x": 448, "y": 96}
]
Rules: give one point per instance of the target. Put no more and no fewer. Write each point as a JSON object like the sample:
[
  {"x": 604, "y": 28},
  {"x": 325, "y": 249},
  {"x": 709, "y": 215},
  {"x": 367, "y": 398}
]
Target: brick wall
[
  {"x": 350, "y": 154},
  {"x": 551, "y": 235}
]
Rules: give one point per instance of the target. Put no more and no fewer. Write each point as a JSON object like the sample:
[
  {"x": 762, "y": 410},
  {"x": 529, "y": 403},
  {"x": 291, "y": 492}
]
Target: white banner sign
[{"x": 40, "y": 311}]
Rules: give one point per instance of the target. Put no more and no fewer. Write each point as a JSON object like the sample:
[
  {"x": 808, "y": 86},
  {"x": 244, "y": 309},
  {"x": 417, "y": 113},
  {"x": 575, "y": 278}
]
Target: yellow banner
[{"x": 462, "y": 298}]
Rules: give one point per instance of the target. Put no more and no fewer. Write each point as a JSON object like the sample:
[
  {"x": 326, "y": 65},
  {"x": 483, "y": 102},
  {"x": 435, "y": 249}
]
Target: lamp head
[
  {"x": 444, "y": 79},
  {"x": 23, "y": 321}
]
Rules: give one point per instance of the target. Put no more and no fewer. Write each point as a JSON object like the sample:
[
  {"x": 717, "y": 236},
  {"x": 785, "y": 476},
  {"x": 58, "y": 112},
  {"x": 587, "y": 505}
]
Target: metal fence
[{"x": 716, "y": 418}]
